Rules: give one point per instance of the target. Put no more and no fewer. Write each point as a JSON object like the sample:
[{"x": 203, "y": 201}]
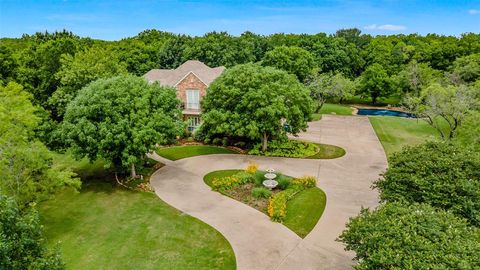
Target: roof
[{"x": 172, "y": 77}]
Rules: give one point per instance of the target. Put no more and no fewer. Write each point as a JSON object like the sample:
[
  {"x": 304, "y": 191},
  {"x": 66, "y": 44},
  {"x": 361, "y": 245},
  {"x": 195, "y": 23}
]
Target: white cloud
[
  {"x": 388, "y": 27},
  {"x": 473, "y": 11}
]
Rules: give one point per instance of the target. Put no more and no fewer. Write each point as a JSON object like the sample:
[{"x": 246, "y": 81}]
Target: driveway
[{"x": 259, "y": 243}]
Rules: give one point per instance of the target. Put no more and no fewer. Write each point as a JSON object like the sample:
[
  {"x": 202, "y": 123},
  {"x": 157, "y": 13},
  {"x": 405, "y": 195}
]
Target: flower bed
[{"x": 246, "y": 186}]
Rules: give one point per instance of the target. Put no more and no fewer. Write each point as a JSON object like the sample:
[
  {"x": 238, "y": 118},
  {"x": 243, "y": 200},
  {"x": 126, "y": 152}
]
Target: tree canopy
[
  {"x": 294, "y": 60},
  {"x": 121, "y": 119},
  {"x": 254, "y": 102},
  {"x": 417, "y": 236},
  {"x": 26, "y": 165},
  {"x": 440, "y": 174},
  {"x": 375, "y": 83}
]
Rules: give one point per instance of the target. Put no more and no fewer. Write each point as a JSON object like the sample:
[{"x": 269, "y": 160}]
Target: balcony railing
[{"x": 191, "y": 106}]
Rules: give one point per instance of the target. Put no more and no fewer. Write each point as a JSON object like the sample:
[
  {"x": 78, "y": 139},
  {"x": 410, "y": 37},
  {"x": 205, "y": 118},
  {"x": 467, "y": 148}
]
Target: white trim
[{"x": 183, "y": 78}]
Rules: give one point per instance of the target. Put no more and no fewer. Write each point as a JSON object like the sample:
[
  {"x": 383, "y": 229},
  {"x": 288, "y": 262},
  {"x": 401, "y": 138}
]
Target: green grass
[
  {"x": 396, "y": 132},
  {"x": 104, "y": 227},
  {"x": 107, "y": 227},
  {"x": 304, "y": 211},
  {"x": 329, "y": 108},
  {"x": 179, "y": 152},
  {"x": 328, "y": 151}
]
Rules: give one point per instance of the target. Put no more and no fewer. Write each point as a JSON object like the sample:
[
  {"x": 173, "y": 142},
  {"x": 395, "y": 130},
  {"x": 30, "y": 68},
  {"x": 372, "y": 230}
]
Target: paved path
[{"x": 259, "y": 243}]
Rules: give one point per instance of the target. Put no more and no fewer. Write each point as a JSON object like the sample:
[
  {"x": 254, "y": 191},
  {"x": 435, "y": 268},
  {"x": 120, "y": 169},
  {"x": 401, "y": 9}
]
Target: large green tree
[
  {"x": 328, "y": 86},
  {"x": 375, "y": 83},
  {"x": 27, "y": 171},
  {"x": 466, "y": 69},
  {"x": 22, "y": 245},
  {"x": 417, "y": 236},
  {"x": 121, "y": 119},
  {"x": 79, "y": 70},
  {"x": 440, "y": 174},
  {"x": 254, "y": 102},
  {"x": 294, "y": 60}
]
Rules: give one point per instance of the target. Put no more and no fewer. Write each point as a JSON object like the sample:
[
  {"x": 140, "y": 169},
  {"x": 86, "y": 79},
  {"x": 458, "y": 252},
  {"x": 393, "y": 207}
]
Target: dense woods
[{"x": 53, "y": 67}]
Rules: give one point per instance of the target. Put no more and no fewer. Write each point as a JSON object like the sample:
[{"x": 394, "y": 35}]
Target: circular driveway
[{"x": 259, "y": 243}]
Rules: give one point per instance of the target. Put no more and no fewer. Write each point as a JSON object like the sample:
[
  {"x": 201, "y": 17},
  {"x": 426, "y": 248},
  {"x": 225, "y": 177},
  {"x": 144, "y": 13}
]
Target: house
[{"x": 191, "y": 79}]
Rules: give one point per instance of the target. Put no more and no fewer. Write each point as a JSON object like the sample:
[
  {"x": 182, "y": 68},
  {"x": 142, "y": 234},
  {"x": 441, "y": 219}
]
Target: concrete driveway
[{"x": 259, "y": 243}]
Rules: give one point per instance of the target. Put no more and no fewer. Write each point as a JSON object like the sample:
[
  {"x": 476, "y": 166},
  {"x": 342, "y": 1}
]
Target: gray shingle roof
[{"x": 171, "y": 77}]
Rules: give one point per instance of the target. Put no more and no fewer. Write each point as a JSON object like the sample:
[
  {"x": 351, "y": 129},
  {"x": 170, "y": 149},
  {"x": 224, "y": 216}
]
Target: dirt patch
[{"x": 243, "y": 194}]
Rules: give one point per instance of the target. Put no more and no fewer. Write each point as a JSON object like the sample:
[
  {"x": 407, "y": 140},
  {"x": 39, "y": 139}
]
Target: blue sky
[{"x": 116, "y": 19}]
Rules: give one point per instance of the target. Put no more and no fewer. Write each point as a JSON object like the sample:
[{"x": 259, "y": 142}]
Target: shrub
[
  {"x": 277, "y": 204},
  {"x": 260, "y": 192},
  {"x": 291, "y": 148},
  {"x": 440, "y": 174},
  {"x": 259, "y": 178},
  {"x": 244, "y": 177},
  {"x": 252, "y": 167},
  {"x": 416, "y": 236},
  {"x": 283, "y": 182},
  {"x": 225, "y": 183},
  {"x": 217, "y": 141},
  {"x": 305, "y": 181}
]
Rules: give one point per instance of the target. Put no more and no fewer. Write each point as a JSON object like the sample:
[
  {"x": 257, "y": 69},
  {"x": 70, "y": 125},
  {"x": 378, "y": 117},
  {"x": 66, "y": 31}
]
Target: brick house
[{"x": 191, "y": 79}]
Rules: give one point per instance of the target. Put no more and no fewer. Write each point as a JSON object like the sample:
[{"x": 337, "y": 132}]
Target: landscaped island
[{"x": 295, "y": 202}]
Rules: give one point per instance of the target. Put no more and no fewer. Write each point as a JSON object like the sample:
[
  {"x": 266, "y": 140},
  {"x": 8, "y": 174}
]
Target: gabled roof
[{"x": 172, "y": 77}]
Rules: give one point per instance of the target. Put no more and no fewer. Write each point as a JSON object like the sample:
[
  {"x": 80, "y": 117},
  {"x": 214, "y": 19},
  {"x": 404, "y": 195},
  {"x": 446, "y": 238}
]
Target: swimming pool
[{"x": 383, "y": 112}]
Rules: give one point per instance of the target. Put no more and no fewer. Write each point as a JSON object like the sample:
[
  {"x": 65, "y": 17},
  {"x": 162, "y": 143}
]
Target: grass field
[
  {"x": 397, "y": 132},
  {"x": 107, "y": 227},
  {"x": 329, "y": 108},
  {"x": 179, "y": 152},
  {"x": 303, "y": 211},
  {"x": 328, "y": 151}
]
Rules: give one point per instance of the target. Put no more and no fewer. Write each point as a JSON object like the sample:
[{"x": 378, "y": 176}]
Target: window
[
  {"x": 193, "y": 99},
  {"x": 193, "y": 123}
]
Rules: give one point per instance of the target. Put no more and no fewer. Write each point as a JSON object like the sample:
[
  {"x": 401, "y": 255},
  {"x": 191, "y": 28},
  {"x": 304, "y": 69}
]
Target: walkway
[{"x": 259, "y": 243}]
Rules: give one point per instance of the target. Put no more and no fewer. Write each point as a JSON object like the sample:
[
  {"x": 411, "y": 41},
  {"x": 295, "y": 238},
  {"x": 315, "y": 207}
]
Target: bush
[
  {"x": 260, "y": 192},
  {"x": 440, "y": 174},
  {"x": 291, "y": 148},
  {"x": 305, "y": 181},
  {"x": 259, "y": 178},
  {"x": 225, "y": 183},
  {"x": 217, "y": 141},
  {"x": 252, "y": 168},
  {"x": 418, "y": 236},
  {"x": 244, "y": 177},
  {"x": 283, "y": 182},
  {"x": 277, "y": 204}
]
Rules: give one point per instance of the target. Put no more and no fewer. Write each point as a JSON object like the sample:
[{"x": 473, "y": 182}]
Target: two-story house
[{"x": 191, "y": 79}]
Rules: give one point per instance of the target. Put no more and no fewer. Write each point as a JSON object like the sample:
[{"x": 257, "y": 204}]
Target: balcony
[{"x": 191, "y": 108}]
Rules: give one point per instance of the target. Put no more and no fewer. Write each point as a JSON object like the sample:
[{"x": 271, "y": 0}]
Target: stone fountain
[{"x": 270, "y": 183}]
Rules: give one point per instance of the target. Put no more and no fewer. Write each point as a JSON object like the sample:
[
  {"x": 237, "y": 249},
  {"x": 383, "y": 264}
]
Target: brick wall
[{"x": 190, "y": 82}]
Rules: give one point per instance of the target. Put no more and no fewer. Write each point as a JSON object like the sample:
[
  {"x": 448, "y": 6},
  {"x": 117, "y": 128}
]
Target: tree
[
  {"x": 375, "y": 83},
  {"x": 416, "y": 76},
  {"x": 327, "y": 86},
  {"x": 251, "y": 101},
  {"x": 121, "y": 119},
  {"x": 8, "y": 65},
  {"x": 22, "y": 244},
  {"x": 467, "y": 68},
  {"x": 292, "y": 59},
  {"x": 78, "y": 71},
  {"x": 443, "y": 104},
  {"x": 26, "y": 165},
  {"x": 417, "y": 236},
  {"x": 467, "y": 134},
  {"x": 440, "y": 174}
]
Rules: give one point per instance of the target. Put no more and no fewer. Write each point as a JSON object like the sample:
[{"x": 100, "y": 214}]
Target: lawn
[
  {"x": 107, "y": 227},
  {"x": 329, "y": 108},
  {"x": 179, "y": 152},
  {"x": 303, "y": 211},
  {"x": 397, "y": 132},
  {"x": 328, "y": 151}
]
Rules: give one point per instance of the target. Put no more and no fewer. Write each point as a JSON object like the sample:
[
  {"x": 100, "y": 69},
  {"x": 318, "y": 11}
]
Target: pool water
[{"x": 382, "y": 112}]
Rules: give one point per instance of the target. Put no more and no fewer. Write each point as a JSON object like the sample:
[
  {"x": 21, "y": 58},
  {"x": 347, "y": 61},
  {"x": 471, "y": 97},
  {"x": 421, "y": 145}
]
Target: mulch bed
[{"x": 243, "y": 194}]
